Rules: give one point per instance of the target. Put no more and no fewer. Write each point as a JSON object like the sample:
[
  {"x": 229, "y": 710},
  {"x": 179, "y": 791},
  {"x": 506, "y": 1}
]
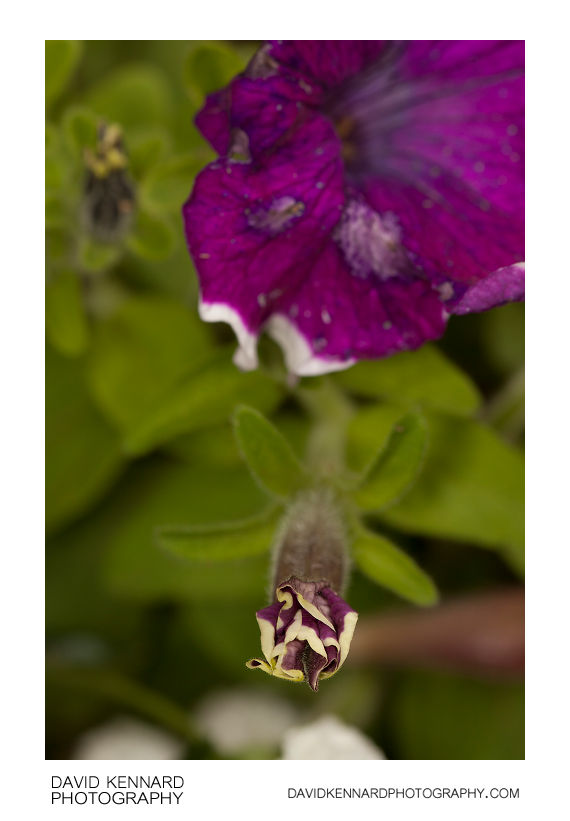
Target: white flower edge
[
  {"x": 300, "y": 359},
  {"x": 246, "y": 355},
  {"x": 299, "y": 356}
]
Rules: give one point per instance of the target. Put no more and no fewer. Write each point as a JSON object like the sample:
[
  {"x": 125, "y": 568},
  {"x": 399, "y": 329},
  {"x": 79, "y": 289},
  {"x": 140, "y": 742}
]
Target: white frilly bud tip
[
  {"x": 234, "y": 721},
  {"x": 127, "y": 739},
  {"x": 328, "y": 739}
]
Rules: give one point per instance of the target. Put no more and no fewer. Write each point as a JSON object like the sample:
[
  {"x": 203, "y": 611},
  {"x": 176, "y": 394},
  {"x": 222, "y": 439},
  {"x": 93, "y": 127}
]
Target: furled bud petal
[{"x": 306, "y": 632}]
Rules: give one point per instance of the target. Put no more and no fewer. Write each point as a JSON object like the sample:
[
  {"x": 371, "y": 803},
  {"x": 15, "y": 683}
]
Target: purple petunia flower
[
  {"x": 365, "y": 191},
  {"x": 306, "y": 633}
]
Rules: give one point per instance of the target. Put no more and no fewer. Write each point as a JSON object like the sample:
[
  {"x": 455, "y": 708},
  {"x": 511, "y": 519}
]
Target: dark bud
[{"x": 109, "y": 195}]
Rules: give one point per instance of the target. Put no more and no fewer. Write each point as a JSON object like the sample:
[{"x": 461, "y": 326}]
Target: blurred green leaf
[
  {"x": 203, "y": 400},
  {"x": 215, "y": 447},
  {"x": 57, "y": 244},
  {"x": 218, "y": 543},
  {"x": 134, "y": 95},
  {"x": 209, "y": 67},
  {"x": 268, "y": 454},
  {"x": 145, "y": 151},
  {"x": 55, "y": 216},
  {"x": 80, "y": 129},
  {"x": 66, "y": 323},
  {"x": 169, "y": 183},
  {"x": 440, "y": 716},
  {"x": 56, "y": 166},
  {"x": 396, "y": 467},
  {"x": 62, "y": 57},
  {"x": 82, "y": 452},
  {"x": 152, "y": 237},
  {"x": 227, "y": 633},
  {"x": 422, "y": 377},
  {"x": 96, "y": 256},
  {"x": 389, "y": 566},
  {"x": 141, "y": 352},
  {"x": 368, "y": 432},
  {"x": 175, "y": 492},
  {"x": 471, "y": 489}
]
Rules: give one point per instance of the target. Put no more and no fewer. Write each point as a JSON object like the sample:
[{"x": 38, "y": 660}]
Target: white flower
[
  {"x": 328, "y": 738},
  {"x": 235, "y": 720},
  {"x": 125, "y": 739}
]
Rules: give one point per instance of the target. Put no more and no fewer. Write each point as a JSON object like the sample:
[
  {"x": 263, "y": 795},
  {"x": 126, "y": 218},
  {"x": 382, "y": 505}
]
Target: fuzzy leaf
[
  {"x": 471, "y": 489},
  {"x": 394, "y": 470},
  {"x": 424, "y": 377},
  {"x": 390, "y": 567},
  {"x": 164, "y": 491},
  {"x": 268, "y": 454},
  {"x": 141, "y": 352},
  {"x": 202, "y": 400},
  {"x": 218, "y": 543}
]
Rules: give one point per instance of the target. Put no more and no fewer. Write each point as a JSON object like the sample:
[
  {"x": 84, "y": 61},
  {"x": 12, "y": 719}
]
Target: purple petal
[
  {"x": 427, "y": 221},
  {"x": 214, "y": 120},
  {"x": 505, "y": 285},
  {"x": 254, "y": 232},
  {"x": 443, "y": 149},
  {"x": 325, "y": 62},
  {"x": 335, "y": 317}
]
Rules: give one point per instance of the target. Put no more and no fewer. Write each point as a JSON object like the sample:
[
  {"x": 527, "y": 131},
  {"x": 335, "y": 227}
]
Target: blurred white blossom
[
  {"x": 328, "y": 738},
  {"x": 125, "y": 739},
  {"x": 240, "y": 719}
]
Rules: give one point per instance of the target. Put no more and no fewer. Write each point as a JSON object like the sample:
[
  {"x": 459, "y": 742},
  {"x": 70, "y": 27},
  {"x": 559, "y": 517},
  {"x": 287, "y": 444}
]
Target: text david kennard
[{"x": 116, "y": 789}]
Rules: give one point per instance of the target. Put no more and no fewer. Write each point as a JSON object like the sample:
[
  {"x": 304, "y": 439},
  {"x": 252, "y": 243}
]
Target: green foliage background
[{"x": 140, "y": 396}]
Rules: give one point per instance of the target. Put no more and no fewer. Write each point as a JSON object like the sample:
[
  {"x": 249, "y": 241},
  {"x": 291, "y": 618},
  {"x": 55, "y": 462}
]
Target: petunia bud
[
  {"x": 109, "y": 196},
  {"x": 307, "y": 630}
]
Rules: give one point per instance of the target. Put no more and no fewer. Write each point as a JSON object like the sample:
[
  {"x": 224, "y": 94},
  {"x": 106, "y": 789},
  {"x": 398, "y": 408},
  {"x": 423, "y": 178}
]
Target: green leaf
[
  {"x": 221, "y": 542},
  {"x": 471, "y": 489},
  {"x": 62, "y": 57},
  {"x": 422, "y": 377},
  {"x": 168, "y": 185},
  {"x": 82, "y": 452},
  {"x": 152, "y": 237},
  {"x": 165, "y": 491},
  {"x": 96, "y": 256},
  {"x": 80, "y": 129},
  {"x": 141, "y": 352},
  {"x": 390, "y": 567},
  {"x": 66, "y": 323},
  {"x": 268, "y": 454},
  {"x": 209, "y": 67},
  {"x": 136, "y": 95},
  {"x": 145, "y": 151},
  {"x": 367, "y": 433},
  {"x": 397, "y": 465},
  {"x": 207, "y": 624},
  {"x": 55, "y": 216},
  {"x": 200, "y": 401}
]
